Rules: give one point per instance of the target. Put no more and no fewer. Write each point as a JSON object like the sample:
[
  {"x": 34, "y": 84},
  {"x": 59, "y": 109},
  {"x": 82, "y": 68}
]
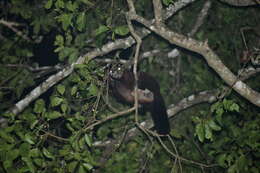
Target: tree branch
[{"x": 212, "y": 59}]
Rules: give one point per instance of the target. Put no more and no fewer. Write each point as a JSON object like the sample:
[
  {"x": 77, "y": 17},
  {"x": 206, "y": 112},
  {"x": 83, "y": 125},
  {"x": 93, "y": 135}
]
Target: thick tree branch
[
  {"x": 212, "y": 59},
  {"x": 157, "y": 6}
]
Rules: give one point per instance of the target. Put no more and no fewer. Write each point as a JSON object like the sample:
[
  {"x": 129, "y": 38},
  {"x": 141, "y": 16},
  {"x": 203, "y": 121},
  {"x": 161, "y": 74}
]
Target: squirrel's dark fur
[{"x": 122, "y": 83}]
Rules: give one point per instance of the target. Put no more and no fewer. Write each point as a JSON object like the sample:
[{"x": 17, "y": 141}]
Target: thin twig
[{"x": 12, "y": 25}]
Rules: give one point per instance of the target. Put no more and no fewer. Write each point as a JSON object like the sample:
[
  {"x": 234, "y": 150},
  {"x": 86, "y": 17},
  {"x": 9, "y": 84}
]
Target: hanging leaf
[
  {"x": 208, "y": 132},
  {"x": 61, "y": 89},
  {"x": 200, "y": 132},
  {"x": 64, "y": 107},
  {"x": 39, "y": 106},
  {"x": 73, "y": 91},
  {"x": 88, "y": 140},
  {"x": 55, "y": 101}
]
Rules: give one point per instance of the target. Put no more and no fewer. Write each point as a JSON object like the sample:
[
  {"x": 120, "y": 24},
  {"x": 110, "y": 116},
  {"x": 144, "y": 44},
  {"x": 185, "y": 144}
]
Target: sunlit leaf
[
  {"x": 53, "y": 115},
  {"x": 87, "y": 166},
  {"x": 64, "y": 107},
  {"x": 28, "y": 138},
  {"x": 73, "y": 90},
  {"x": 55, "y": 101},
  {"x": 88, "y": 140},
  {"x": 61, "y": 89},
  {"x": 208, "y": 132}
]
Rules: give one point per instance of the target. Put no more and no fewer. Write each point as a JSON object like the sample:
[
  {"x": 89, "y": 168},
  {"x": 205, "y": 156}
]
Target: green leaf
[
  {"x": 73, "y": 56},
  {"x": 64, "y": 107},
  {"x": 167, "y": 2},
  {"x": 101, "y": 29},
  {"x": 13, "y": 155},
  {"x": 59, "y": 4},
  {"x": 81, "y": 169},
  {"x": 213, "y": 125},
  {"x": 28, "y": 138},
  {"x": 232, "y": 169},
  {"x": 8, "y": 164},
  {"x": 64, "y": 152},
  {"x": 59, "y": 41},
  {"x": 66, "y": 20},
  {"x": 72, "y": 166},
  {"x": 34, "y": 123},
  {"x": 39, "y": 106},
  {"x": 29, "y": 163},
  {"x": 81, "y": 21},
  {"x": 242, "y": 162},
  {"x": 219, "y": 111},
  {"x": 73, "y": 91},
  {"x": 88, "y": 140},
  {"x": 61, "y": 89},
  {"x": 53, "y": 115},
  {"x": 208, "y": 132},
  {"x": 87, "y": 166},
  {"x": 176, "y": 133},
  {"x": 200, "y": 132},
  {"x": 48, "y": 4},
  {"x": 71, "y": 6},
  {"x": 234, "y": 107},
  {"x": 24, "y": 149},
  {"x": 55, "y": 101},
  {"x": 122, "y": 30},
  {"x": 195, "y": 119},
  {"x": 39, "y": 162},
  {"x": 87, "y": 2},
  {"x": 93, "y": 89},
  {"x": 221, "y": 160},
  {"x": 7, "y": 137},
  {"x": 35, "y": 152},
  {"x": 47, "y": 154}
]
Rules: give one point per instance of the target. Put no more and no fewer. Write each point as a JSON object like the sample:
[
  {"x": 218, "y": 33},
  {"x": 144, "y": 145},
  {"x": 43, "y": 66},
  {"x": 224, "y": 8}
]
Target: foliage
[{"x": 53, "y": 134}]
